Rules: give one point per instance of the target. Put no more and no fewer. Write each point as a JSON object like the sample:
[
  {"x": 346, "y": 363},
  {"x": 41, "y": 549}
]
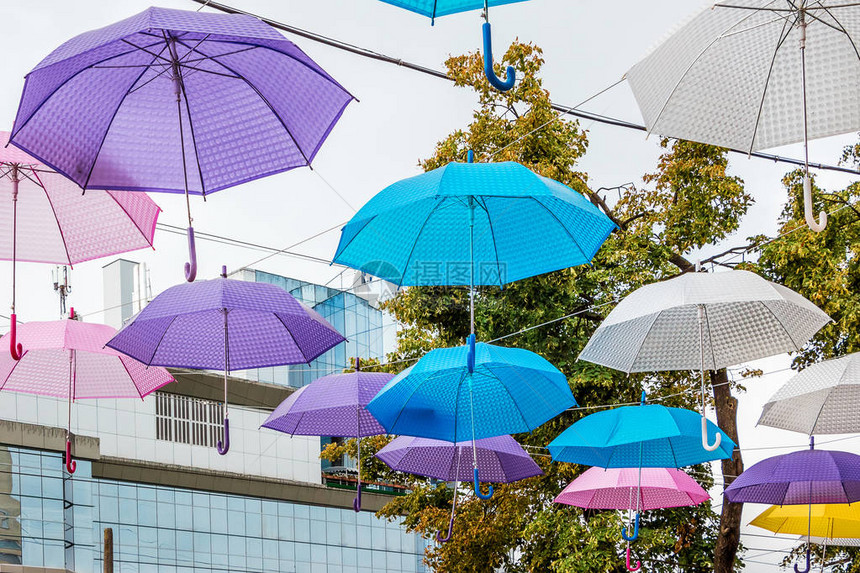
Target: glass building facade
[
  {"x": 353, "y": 316},
  {"x": 48, "y": 520}
]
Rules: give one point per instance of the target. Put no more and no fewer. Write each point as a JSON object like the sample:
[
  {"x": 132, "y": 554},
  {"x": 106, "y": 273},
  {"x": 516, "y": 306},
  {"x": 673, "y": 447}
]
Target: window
[{"x": 187, "y": 420}]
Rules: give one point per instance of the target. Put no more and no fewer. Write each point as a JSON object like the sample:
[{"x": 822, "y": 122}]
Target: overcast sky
[{"x": 588, "y": 45}]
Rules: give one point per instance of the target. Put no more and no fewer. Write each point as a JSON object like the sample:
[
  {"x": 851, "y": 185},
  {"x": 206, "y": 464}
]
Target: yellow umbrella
[{"x": 825, "y": 520}]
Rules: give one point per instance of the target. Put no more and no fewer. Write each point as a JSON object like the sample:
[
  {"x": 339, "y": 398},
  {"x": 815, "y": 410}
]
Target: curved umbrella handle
[
  {"x": 807, "y": 208},
  {"x": 478, "y": 488},
  {"x": 497, "y": 83},
  {"x": 808, "y": 566},
  {"x": 356, "y": 501},
  {"x": 448, "y": 537},
  {"x": 635, "y": 535},
  {"x": 224, "y": 447},
  {"x": 638, "y": 564},
  {"x": 15, "y": 347},
  {"x": 191, "y": 268},
  {"x": 705, "y": 444},
  {"x": 71, "y": 465}
]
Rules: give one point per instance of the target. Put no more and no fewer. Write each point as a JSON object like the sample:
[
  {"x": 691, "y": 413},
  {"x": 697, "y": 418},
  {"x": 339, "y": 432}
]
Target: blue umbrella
[
  {"x": 495, "y": 221},
  {"x": 437, "y": 8},
  {"x": 472, "y": 392}
]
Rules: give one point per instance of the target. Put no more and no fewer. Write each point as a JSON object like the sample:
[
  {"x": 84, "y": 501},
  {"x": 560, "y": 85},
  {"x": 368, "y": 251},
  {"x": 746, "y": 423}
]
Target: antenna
[{"x": 62, "y": 286}]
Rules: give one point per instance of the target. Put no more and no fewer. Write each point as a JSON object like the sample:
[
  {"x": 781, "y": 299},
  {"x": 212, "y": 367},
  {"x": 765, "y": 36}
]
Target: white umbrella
[
  {"x": 822, "y": 399},
  {"x": 703, "y": 321},
  {"x": 756, "y": 74}
]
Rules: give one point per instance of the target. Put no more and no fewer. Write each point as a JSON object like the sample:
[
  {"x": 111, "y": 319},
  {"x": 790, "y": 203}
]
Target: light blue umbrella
[
  {"x": 472, "y": 392},
  {"x": 436, "y": 8},
  {"x": 500, "y": 220}
]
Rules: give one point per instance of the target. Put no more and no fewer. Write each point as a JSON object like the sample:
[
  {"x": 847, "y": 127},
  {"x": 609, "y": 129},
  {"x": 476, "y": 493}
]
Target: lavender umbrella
[
  {"x": 177, "y": 102},
  {"x": 800, "y": 478},
  {"x": 500, "y": 459},
  {"x": 333, "y": 406},
  {"x": 227, "y": 324}
]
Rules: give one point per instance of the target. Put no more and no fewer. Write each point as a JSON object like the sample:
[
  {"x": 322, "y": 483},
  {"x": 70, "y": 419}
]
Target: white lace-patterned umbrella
[
  {"x": 823, "y": 399},
  {"x": 756, "y": 74},
  {"x": 703, "y": 321}
]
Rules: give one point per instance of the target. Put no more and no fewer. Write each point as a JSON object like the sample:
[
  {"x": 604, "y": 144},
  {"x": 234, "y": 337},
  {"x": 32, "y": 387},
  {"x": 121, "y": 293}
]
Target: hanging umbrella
[
  {"x": 333, "y": 406},
  {"x": 703, "y": 321},
  {"x": 829, "y": 520},
  {"x": 472, "y": 392},
  {"x": 822, "y": 399},
  {"x": 68, "y": 359},
  {"x": 177, "y": 102},
  {"x": 808, "y": 478},
  {"x": 632, "y": 489},
  {"x": 737, "y": 76},
  {"x": 225, "y": 324},
  {"x": 500, "y": 460},
  {"x": 437, "y": 8},
  {"x": 51, "y": 222}
]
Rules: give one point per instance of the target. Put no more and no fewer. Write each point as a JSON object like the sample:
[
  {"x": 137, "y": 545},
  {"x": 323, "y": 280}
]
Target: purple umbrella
[
  {"x": 227, "y": 324},
  {"x": 800, "y": 478},
  {"x": 500, "y": 459},
  {"x": 333, "y": 406},
  {"x": 177, "y": 102}
]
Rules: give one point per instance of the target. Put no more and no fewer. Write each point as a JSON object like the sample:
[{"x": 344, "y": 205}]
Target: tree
[{"x": 692, "y": 202}]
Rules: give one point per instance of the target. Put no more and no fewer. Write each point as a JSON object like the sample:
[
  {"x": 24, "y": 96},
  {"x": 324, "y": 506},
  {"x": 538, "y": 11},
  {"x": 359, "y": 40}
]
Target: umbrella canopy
[
  {"x": 52, "y": 222},
  {"x": 331, "y": 406},
  {"x": 225, "y": 324},
  {"x": 439, "y": 8},
  {"x": 827, "y": 520},
  {"x": 618, "y": 488},
  {"x": 745, "y": 317},
  {"x": 800, "y": 478},
  {"x": 501, "y": 459},
  {"x": 177, "y": 102},
  {"x": 822, "y": 399},
  {"x": 650, "y": 435},
  {"x": 755, "y": 74},
  {"x": 417, "y": 231},
  {"x": 68, "y": 359},
  {"x": 509, "y": 391},
  {"x": 835, "y": 541}
]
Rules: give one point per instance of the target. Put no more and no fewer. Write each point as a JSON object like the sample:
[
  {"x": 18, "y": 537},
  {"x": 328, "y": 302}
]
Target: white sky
[{"x": 588, "y": 45}]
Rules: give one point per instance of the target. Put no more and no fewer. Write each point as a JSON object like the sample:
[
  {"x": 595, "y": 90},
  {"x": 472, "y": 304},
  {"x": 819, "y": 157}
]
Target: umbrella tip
[
  {"x": 223, "y": 271},
  {"x": 811, "y": 442},
  {"x": 643, "y": 398},
  {"x": 470, "y": 156}
]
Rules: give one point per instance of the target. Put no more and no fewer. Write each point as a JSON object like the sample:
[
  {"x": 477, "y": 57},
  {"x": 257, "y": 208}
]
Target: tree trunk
[{"x": 730, "y": 520}]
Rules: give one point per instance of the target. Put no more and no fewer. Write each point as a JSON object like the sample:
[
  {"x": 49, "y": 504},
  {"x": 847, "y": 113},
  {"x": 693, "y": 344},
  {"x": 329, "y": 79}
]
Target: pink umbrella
[
  {"x": 69, "y": 359},
  {"x": 57, "y": 223},
  {"x": 632, "y": 489}
]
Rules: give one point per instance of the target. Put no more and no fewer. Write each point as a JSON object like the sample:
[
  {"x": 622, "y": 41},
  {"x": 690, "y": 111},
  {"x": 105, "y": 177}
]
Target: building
[{"x": 148, "y": 470}]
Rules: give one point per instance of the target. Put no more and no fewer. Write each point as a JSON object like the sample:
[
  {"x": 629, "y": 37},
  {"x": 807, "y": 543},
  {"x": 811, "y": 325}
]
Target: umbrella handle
[
  {"x": 808, "y": 566},
  {"x": 224, "y": 447},
  {"x": 638, "y": 564},
  {"x": 448, "y": 537},
  {"x": 356, "y": 501},
  {"x": 705, "y": 444},
  {"x": 71, "y": 465},
  {"x": 478, "y": 488},
  {"x": 191, "y": 268},
  {"x": 497, "y": 83},
  {"x": 15, "y": 347},
  {"x": 635, "y": 535},
  {"x": 807, "y": 208}
]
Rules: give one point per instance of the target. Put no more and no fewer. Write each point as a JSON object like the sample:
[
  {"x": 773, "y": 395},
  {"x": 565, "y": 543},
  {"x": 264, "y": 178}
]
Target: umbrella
[
  {"x": 225, "y": 324},
  {"x": 807, "y": 478},
  {"x": 472, "y": 392},
  {"x": 734, "y": 77},
  {"x": 436, "y": 8},
  {"x": 56, "y": 224},
  {"x": 632, "y": 489},
  {"x": 703, "y": 321},
  {"x": 68, "y": 359},
  {"x": 177, "y": 102},
  {"x": 822, "y": 399},
  {"x": 333, "y": 406},
  {"x": 500, "y": 459}
]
